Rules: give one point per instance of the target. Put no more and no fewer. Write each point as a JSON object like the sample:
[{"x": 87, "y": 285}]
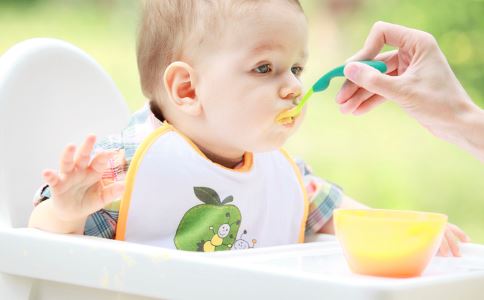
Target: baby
[{"x": 201, "y": 167}]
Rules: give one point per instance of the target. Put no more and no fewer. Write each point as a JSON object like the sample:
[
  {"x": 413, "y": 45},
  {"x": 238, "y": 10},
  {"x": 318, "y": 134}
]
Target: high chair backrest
[{"x": 51, "y": 94}]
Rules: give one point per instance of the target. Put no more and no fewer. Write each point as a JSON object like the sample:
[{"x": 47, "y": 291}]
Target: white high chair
[{"x": 51, "y": 93}]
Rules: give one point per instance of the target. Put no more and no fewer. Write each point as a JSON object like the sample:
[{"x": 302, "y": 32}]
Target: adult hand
[
  {"x": 453, "y": 236},
  {"x": 419, "y": 79}
]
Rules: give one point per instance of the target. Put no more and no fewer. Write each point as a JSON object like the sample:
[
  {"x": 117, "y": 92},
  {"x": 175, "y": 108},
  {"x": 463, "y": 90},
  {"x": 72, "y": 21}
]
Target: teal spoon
[{"x": 322, "y": 84}]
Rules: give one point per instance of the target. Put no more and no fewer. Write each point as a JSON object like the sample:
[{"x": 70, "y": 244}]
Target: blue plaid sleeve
[
  {"x": 324, "y": 197},
  {"x": 102, "y": 224},
  {"x": 322, "y": 205}
]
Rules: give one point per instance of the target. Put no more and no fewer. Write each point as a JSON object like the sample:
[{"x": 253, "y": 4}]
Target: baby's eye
[
  {"x": 297, "y": 70},
  {"x": 263, "y": 69}
]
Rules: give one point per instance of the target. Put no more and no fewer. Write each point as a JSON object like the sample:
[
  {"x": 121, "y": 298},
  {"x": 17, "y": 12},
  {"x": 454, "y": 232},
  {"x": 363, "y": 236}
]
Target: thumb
[
  {"x": 372, "y": 80},
  {"x": 112, "y": 192}
]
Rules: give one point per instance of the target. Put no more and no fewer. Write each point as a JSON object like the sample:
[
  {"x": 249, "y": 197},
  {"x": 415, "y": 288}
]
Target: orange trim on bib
[
  {"x": 135, "y": 163},
  {"x": 130, "y": 176},
  {"x": 305, "y": 196},
  {"x": 247, "y": 159}
]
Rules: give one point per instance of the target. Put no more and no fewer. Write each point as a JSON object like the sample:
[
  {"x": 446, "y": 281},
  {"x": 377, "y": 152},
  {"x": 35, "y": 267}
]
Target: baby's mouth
[{"x": 289, "y": 120}]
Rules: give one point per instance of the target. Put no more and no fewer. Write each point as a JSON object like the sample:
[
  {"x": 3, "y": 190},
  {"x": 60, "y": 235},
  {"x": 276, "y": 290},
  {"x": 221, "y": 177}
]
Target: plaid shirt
[{"x": 323, "y": 196}]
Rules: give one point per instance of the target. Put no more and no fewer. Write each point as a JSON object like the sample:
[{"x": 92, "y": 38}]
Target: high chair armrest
[
  {"x": 103, "y": 263},
  {"x": 320, "y": 237},
  {"x": 138, "y": 269},
  {"x": 303, "y": 271}
]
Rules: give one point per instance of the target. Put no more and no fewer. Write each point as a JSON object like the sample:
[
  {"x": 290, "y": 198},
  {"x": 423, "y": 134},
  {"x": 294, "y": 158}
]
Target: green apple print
[{"x": 208, "y": 227}]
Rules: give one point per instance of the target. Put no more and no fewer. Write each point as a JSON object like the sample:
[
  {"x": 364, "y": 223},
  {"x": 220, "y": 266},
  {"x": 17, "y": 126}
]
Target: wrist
[
  {"x": 45, "y": 217},
  {"x": 470, "y": 130}
]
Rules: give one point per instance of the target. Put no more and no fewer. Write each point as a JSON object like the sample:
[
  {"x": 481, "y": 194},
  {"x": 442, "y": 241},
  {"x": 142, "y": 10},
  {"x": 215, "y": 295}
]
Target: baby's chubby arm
[
  {"x": 346, "y": 202},
  {"x": 77, "y": 190},
  {"x": 450, "y": 243}
]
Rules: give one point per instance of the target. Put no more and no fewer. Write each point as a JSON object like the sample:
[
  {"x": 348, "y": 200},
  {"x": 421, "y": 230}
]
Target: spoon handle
[{"x": 323, "y": 82}]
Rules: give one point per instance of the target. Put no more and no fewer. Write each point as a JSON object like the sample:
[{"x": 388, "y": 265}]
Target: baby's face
[{"x": 253, "y": 75}]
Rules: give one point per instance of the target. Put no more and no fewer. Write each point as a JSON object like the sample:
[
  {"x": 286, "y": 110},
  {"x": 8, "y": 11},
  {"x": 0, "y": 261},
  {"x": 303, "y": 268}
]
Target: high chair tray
[{"x": 306, "y": 271}]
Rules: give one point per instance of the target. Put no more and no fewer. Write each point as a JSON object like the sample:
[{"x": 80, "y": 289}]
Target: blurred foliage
[
  {"x": 384, "y": 159},
  {"x": 18, "y": 2},
  {"x": 458, "y": 26}
]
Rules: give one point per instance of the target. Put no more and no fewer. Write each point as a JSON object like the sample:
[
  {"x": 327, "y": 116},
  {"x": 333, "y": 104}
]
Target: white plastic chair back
[{"x": 51, "y": 94}]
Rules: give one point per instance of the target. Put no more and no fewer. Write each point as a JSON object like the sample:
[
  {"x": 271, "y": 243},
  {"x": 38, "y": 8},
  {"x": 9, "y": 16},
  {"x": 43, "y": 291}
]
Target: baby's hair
[{"x": 172, "y": 30}]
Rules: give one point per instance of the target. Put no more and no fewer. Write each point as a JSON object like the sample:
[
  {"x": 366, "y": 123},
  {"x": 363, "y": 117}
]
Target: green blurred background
[{"x": 384, "y": 159}]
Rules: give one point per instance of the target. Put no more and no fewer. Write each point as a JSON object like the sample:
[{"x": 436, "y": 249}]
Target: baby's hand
[
  {"x": 77, "y": 190},
  {"x": 452, "y": 236}
]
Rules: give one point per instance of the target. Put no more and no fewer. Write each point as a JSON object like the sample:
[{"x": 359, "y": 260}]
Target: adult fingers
[
  {"x": 444, "y": 247},
  {"x": 382, "y": 34},
  {"x": 390, "y": 58},
  {"x": 355, "y": 101},
  {"x": 368, "y": 105},
  {"x": 349, "y": 88},
  {"x": 453, "y": 245},
  {"x": 459, "y": 233},
  {"x": 372, "y": 80},
  {"x": 346, "y": 92}
]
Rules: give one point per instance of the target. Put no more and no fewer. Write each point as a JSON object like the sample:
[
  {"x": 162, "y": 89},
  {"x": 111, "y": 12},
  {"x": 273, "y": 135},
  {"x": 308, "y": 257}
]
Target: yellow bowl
[{"x": 388, "y": 243}]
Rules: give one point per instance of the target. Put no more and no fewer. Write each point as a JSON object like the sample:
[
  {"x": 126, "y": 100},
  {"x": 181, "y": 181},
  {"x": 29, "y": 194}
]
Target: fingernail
[{"x": 351, "y": 71}]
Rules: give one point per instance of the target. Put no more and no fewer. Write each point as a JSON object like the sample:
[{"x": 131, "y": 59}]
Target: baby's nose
[
  {"x": 292, "y": 94},
  {"x": 292, "y": 90}
]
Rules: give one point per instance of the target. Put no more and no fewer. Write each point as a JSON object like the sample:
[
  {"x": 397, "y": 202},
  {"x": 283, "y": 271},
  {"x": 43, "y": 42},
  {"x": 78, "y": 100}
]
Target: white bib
[{"x": 177, "y": 198}]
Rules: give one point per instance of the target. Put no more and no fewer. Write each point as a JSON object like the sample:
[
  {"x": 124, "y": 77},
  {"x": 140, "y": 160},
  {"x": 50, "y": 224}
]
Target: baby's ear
[{"x": 179, "y": 80}]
